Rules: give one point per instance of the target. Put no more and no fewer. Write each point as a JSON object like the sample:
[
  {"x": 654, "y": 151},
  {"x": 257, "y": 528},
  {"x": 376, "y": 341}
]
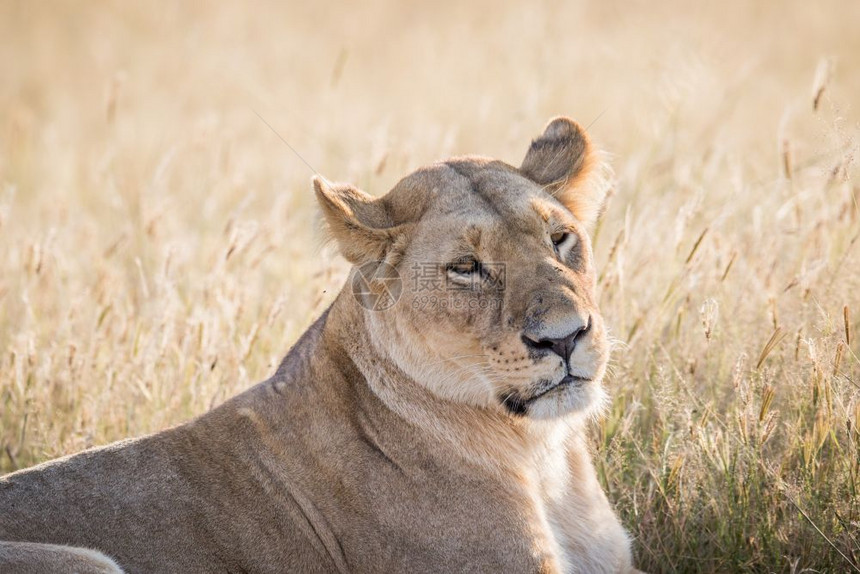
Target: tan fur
[
  {"x": 31, "y": 558},
  {"x": 441, "y": 434}
]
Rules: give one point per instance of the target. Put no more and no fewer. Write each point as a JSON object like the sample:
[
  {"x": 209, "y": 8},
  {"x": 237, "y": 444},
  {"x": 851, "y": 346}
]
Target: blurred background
[{"x": 159, "y": 244}]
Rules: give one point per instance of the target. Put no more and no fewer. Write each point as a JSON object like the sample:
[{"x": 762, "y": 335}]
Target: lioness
[{"x": 431, "y": 420}]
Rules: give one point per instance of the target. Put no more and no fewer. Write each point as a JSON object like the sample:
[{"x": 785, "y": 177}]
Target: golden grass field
[{"x": 160, "y": 247}]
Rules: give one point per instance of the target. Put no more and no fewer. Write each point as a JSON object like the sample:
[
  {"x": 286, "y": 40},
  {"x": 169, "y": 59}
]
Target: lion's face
[{"x": 496, "y": 304}]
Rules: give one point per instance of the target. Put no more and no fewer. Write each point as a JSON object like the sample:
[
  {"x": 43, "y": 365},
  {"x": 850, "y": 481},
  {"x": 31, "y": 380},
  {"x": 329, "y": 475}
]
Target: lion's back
[{"x": 113, "y": 498}]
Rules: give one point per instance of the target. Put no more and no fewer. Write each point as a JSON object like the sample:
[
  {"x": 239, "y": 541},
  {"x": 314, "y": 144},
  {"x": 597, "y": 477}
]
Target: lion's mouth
[
  {"x": 518, "y": 404},
  {"x": 566, "y": 381}
]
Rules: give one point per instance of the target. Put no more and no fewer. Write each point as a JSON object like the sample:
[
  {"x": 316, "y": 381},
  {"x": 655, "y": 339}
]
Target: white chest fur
[{"x": 580, "y": 526}]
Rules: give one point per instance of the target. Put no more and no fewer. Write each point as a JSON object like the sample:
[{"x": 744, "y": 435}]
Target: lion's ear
[
  {"x": 357, "y": 221},
  {"x": 564, "y": 161}
]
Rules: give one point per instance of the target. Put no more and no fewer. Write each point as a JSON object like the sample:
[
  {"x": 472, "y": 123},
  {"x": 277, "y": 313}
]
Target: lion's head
[{"x": 486, "y": 290}]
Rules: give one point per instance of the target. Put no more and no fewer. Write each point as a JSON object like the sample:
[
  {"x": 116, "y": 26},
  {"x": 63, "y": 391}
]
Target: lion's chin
[{"x": 570, "y": 395}]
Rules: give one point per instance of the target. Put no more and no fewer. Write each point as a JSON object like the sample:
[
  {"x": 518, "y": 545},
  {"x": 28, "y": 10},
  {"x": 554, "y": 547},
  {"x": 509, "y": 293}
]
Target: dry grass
[{"x": 159, "y": 250}]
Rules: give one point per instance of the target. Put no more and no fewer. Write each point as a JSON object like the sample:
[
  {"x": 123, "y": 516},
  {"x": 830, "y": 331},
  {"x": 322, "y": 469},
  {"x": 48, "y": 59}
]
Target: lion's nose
[{"x": 562, "y": 346}]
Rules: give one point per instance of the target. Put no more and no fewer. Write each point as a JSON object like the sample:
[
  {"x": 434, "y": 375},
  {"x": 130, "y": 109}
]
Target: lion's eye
[
  {"x": 466, "y": 271},
  {"x": 464, "y": 267},
  {"x": 562, "y": 242},
  {"x": 559, "y": 237}
]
